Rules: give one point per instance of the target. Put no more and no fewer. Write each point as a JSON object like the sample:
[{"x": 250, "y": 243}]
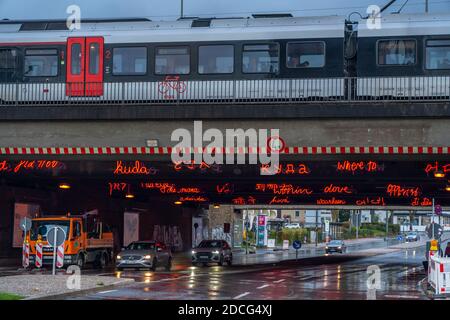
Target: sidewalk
[
  {"x": 40, "y": 286},
  {"x": 312, "y": 246}
]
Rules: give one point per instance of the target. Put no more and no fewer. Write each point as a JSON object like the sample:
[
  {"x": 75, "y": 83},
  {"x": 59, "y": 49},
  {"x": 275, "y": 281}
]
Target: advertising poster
[
  {"x": 130, "y": 228},
  {"x": 261, "y": 231},
  {"x": 22, "y": 210}
]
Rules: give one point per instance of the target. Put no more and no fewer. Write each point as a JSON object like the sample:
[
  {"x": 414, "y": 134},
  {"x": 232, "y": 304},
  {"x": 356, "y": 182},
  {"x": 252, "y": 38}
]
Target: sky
[{"x": 170, "y": 9}]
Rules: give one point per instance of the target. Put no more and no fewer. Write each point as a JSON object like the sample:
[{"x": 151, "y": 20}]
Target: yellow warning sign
[{"x": 434, "y": 245}]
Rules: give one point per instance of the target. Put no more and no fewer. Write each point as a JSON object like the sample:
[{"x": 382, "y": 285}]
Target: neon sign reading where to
[
  {"x": 394, "y": 190},
  {"x": 137, "y": 168},
  {"x": 28, "y": 165},
  {"x": 283, "y": 189},
  {"x": 357, "y": 166}
]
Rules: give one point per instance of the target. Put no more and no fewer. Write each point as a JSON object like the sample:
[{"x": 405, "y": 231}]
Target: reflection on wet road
[{"x": 343, "y": 278}]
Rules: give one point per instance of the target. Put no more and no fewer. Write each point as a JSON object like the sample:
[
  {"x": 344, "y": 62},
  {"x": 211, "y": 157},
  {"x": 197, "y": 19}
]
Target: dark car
[
  {"x": 144, "y": 254},
  {"x": 335, "y": 246},
  {"x": 212, "y": 251}
]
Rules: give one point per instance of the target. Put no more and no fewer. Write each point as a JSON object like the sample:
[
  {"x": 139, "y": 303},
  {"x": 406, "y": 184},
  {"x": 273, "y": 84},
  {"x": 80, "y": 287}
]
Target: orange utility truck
[{"x": 87, "y": 240}]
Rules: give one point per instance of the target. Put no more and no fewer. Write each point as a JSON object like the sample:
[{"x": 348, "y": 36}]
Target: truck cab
[{"x": 86, "y": 241}]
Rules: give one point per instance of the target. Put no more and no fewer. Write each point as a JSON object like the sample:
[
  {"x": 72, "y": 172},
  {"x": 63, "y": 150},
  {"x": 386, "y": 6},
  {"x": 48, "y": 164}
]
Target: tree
[{"x": 344, "y": 215}]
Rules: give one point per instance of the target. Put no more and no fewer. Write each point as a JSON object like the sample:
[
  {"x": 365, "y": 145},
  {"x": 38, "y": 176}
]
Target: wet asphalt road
[{"x": 334, "y": 277}]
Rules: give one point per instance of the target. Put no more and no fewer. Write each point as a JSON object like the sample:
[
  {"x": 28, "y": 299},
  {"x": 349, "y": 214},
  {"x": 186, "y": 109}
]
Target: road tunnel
[{"x": 150, "y": 197}]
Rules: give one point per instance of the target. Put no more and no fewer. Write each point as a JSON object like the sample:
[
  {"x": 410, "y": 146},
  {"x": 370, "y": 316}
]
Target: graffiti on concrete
[
  {"x": 218, "y": 233},
  {"x": 170, "y": 235}
]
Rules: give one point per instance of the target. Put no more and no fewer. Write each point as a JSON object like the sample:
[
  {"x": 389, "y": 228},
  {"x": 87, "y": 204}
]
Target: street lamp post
[
  {"x": 182, "y": 9},
  {"x": 432, "y": 221},
  {"x": 387, "y": 224}
]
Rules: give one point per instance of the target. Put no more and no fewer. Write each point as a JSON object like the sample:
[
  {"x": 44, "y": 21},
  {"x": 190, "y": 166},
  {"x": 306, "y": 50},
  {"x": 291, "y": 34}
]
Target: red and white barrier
[
  {"x": 26, "y": 255},
  {"x": 38, "y": 260},
  {"x": 60, "y": 256},
  {"x": 439, "y": 275}
]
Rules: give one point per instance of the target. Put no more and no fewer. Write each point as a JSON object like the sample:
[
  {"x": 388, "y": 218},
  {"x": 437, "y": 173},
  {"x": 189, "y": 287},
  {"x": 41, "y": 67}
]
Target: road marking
[
  {"x": 402, "y": 297},
  {"x": 109, "y": 291},
  {"x": 279, "y": 281},
  {"x": 263, "y": 286},
  {"x": 241, "y": 295}
]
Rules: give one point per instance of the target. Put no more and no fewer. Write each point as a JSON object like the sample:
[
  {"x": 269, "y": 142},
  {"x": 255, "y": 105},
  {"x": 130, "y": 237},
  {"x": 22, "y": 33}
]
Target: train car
[
  {"x": 408, "y": 57},
  {"x": 138, "y": 60}
]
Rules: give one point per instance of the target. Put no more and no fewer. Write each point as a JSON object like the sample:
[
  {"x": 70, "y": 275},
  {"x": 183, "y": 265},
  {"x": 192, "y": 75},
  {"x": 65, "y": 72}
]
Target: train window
[
  {"x": 261, "y": 58},
  {"x": 438, "y": 55},
  {"x": 41, "y": 63},
  {"x": 216, "y": 59},
  {"x": 396, "y": 52},
  {"x": 172, "y": 60},
  {"x": 305, "y": 55},
  {"x": 130, "y": 61},
  {"x": 94, "y": 58},
  {"x": 7, "y": 65},
  {"x": 76, "y": 57}
]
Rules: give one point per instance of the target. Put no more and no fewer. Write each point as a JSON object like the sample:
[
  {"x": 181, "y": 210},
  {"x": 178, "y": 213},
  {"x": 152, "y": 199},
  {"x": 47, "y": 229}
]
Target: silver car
[
  {"x": 144, "y": 254},
  {"x": 212, "y": 251}
]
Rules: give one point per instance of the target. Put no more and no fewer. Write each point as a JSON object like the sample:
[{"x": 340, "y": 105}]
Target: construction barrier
[
  {"x": 38, "y": 260},
  {"x": 60, "y": 256},
  {"x": 26, "y": 255},
  {"x": 439, "y": 275}
]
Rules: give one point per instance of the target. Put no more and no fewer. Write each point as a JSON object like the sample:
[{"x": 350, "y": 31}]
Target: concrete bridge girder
[{"x": 295, "y": 132}]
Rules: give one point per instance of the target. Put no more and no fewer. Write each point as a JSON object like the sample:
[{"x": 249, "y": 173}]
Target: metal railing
[{"x": 181, "y": 92}]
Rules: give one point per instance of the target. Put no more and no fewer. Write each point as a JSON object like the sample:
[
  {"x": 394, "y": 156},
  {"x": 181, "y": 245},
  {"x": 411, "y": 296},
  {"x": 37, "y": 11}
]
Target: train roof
[
  {"x": 183, "y": 30},
  {"x": 407, "y": 25}
]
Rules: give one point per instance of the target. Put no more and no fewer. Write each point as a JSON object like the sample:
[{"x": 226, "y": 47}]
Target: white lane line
[
  {"x": 402, "y": 297},
  {"x": 109, "y": 291},
  {"x": 241, "y": 295},
  {"x": 279, "y": 281},
  {"x": 263, "y": 286}
]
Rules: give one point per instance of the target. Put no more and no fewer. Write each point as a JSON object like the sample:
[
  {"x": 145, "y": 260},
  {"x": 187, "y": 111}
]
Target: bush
[{"x": 293, "y": 234}]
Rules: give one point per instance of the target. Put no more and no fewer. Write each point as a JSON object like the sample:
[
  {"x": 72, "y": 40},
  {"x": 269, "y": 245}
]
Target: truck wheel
[
  {"x": 169, "y": 264},
  {"x": 80, "y": 261},
  {"x": 154, "y": 263},
  {"x": 100, "y": 261}
]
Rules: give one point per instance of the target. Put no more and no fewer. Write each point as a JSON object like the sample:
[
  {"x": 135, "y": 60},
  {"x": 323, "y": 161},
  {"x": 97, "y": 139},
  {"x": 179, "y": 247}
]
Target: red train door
[{"x": 85, "y": 67}]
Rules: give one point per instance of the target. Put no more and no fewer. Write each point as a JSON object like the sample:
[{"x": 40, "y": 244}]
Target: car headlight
[
  {"x": 119, "y": 258},
  {"x": 147, "y": 257},
  {"x": 326, "y": 247},
  {"x": 194, "y": 252},
  {"x": 339, "y": 247},
  {"x": 216, "y": 252}
]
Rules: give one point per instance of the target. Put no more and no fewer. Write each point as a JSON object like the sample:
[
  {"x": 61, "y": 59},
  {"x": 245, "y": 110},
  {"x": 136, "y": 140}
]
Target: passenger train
[{"x": 266, "y": 58}]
